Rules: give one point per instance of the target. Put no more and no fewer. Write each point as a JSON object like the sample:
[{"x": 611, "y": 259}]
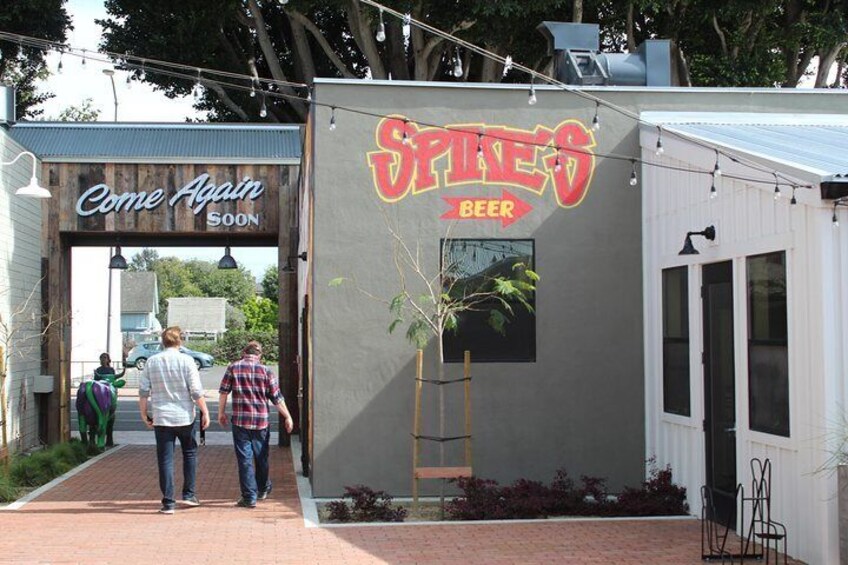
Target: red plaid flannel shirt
[{"x": 252, "y": 385}]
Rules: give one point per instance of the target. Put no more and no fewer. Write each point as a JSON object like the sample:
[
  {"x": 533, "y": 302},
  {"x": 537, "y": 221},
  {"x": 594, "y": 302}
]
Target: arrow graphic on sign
[{"x": 508, "y": 208}]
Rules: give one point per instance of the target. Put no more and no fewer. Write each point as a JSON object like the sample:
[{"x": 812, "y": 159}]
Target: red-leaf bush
[{"x": 366, "y": 506}]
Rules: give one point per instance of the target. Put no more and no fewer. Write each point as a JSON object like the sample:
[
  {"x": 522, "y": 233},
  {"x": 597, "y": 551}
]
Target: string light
[
  {"x": 381, "y": 29},
  {"x": 406, "y": 28},
  {"x": 196, "y": 91},
  {"x": 776, "y": 188},
  {"x": 532, "y": 100},
  {"x": 713, "y": 191},
  {"x": 253, "y": 88},
  {"x": 793, "y": 201},
  {"x": 457, "y": 65},
  {"x": 660, "y": 149},
  {"x": 333, "y": 119},
  {"x": 716, "y": 169},
  {"x": 634, "y": 180},
  {"x": 596, "y": 121},
  {"x": 83, "y": 57},
  {"x": 142, "y": 75},
  {"x": 479, "y": 145},
  {"x": 835, "y": 220},
  {"x": 263, "y": 110},
  {"x": 557, "y": 163},
  {"x": 405, "y": 137},
  {"x": 59, "y": 66}
]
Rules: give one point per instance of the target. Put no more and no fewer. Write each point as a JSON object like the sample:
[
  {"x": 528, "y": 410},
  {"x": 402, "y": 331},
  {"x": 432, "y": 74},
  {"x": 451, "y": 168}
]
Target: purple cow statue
[{"x": 96, "y": 405}]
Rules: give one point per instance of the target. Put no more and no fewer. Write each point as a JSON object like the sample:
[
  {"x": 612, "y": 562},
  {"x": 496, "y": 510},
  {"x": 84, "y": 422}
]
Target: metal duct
[
  {"x": 578, "y": 60},
  {"x": 7, "y": 104}
]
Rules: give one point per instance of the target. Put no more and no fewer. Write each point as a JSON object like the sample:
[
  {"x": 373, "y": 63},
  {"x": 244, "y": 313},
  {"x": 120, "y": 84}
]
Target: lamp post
[{"x": 111, "y": 74}]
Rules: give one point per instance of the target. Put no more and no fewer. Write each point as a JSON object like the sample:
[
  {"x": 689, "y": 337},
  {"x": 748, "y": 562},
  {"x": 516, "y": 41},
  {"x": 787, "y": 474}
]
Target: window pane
[
  {"x": 676, "y": 396},
  {"x": 469, "y": 266},
  {"x": 768, "y": 359}
]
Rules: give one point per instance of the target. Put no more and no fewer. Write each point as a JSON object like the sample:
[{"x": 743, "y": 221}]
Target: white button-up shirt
[{"x": 171, "y": 380}]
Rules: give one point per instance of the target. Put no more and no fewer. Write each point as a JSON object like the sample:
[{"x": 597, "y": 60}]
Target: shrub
[
  {"x": 41, "y": 467},
  {"x": 230, "y": 346},
  {"x": 367, "y": 506},
  {"x": 8, "y": 491},
  {"x": 659, "y": 496},
  {"x": 482, "y": 500}
]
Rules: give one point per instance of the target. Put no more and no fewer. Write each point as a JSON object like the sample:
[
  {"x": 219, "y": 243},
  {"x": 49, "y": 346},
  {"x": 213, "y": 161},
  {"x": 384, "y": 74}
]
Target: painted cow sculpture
[{"x": 97, "y": 402}]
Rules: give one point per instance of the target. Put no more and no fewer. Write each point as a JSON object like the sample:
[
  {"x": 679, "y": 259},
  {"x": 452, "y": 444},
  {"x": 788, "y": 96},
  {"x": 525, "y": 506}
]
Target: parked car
[{"x": 139, "y": 355}]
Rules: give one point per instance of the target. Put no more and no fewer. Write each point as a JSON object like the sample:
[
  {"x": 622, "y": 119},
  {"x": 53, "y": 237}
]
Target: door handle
[{"x": 731, "y": 429}]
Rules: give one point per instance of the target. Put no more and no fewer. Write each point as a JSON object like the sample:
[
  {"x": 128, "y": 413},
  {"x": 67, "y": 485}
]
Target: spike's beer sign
[{"x": 414, "y": 159}]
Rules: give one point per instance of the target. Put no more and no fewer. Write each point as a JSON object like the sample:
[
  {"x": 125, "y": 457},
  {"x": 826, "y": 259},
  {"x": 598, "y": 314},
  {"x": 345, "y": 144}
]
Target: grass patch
[{"x": 28, "y": 471}]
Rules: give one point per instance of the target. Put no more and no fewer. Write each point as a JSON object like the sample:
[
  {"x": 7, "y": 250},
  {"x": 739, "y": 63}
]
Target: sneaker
[
  {"x": 166, "y": 509},
  {"x": 191, "y": 501},
  {"x": 245, "y": 503},
  {"x": 263, "y": 495}
]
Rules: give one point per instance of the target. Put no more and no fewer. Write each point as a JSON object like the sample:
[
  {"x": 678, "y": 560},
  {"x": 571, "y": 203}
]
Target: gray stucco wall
[{"x": 581, "y": 404}]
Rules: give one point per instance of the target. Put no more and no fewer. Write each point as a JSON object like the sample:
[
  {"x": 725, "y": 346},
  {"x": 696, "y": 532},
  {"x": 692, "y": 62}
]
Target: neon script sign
[
  {"x": 198, "y": 193},
  {"x": 431, "y": 158}
]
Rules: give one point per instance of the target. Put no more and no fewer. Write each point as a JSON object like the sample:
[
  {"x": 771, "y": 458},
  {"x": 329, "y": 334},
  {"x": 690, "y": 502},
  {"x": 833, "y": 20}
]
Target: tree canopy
[
  {"x": 733, "y": 43},
  {"x": 24, "y": 66}
]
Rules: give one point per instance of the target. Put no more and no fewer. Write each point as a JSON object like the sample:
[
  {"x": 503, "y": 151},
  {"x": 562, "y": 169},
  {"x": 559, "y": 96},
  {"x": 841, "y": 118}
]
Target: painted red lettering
[{"x": 393, "y": 167}]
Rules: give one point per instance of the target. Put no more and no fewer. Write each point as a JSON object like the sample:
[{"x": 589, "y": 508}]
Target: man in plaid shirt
[{"x": 252, "y": 386}]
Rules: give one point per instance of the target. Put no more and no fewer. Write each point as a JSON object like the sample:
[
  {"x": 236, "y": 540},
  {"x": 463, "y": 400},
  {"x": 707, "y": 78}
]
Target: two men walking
[{"x": 170, "y": 385}]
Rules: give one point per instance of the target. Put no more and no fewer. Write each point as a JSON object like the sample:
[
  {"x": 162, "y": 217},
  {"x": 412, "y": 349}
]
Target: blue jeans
[
  {"x": 252, "y": 448},
  {"x": 165, "y": 439}
]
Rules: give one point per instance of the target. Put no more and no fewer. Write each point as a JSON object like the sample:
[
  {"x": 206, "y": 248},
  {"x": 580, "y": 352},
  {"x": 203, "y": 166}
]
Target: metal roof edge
[
  {"x": 542, "y": 86},
  {"x": 171, "y": 160},
  {"x": 157, "y": 125},
  {"x": 743, "y": 118}
]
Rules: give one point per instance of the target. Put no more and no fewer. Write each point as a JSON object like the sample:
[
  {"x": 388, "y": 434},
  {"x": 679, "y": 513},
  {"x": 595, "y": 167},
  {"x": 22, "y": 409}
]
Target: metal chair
[{"x": 762, "y": 527}]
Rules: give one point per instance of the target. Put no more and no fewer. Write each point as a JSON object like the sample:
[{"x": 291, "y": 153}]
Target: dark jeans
[
  {"x": 252, "y": 455},
  {"x": 165, "y": 439}
]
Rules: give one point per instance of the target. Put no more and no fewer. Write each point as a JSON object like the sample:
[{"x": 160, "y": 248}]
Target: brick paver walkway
[{"x": 107, "y": 514}]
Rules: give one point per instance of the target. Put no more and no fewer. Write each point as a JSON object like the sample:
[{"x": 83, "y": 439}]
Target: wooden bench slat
[{"x": 442, "y": 472}]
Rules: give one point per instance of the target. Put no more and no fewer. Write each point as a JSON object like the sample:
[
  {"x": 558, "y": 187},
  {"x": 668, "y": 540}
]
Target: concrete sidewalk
[{"x": 107, "y": 513}]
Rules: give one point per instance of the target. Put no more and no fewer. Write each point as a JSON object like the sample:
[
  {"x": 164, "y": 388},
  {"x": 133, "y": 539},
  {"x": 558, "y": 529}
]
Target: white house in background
[
  {"x": 95, "y": 322},
  {"x": 20, "y": 301},
  {"x": 140, "y": 306},
  {"x": 745, "y": 342},
  {"x": 198, "y": 316}
]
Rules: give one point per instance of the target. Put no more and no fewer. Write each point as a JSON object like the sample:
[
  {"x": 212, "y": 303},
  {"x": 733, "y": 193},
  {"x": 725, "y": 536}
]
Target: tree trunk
[
  {"x": 303, "y": 60},
  {"x": 363, "y": 35},
  {"x": 441, "y": 422},
  {"x": 826, "y": 60},
  {"x": 630, "y": 29},
  {"x": 577, "y": 11}
]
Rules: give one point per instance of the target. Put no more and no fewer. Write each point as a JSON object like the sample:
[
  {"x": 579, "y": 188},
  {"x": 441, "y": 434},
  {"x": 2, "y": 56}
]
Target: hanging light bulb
[
  {"x": 263, "y": 110},
  {"x": 713, "y": 191},
  {"x": 716, "y": 169},
  {"x": 793, "y": 201},
  {"x": 834, "y": 220},
  {"x": 457, "y": 66},
  {"x": 660, "y": 149},
  {"x": 596, "y": 121},
  {"x": 532, "y": 100},
  {"x": 507, "y": 64},
  {"x": 59, "y": 66},
  {"x": 405, "y": 137},
  {"x": 197, "y": 90},
  {"x": 776, "y": 189},
  {"x": 479, "y": 145},
  {"x": 253, "y": 88},
  {"x": 381, "y": 29},
  {"x": 143, "y": 75},
  {"x": 557, "y": 163},
  {"x": 83, "y": 58},
  {"x": 333, "y": 119},
  {"x": 308, "y": 94},
  {"x": 129, "y": 81},
  {"x": 634, "y": 180},
  {"x": 406, "y": 28}
]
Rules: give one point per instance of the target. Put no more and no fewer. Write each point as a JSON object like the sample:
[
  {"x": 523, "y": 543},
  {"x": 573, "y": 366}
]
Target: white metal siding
[
  {"x": 20, "y": 293},
  {"x": 749, "y": 221}
]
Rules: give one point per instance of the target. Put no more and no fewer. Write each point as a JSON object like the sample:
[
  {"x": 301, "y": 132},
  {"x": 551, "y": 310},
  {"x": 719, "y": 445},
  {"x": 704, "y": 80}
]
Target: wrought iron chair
[
  {"x": 714, "y": 535},
  {"x": 762, "y": 528}
]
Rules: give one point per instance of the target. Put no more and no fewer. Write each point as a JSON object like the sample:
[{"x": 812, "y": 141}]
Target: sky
[{"x": 137, "y": 102}]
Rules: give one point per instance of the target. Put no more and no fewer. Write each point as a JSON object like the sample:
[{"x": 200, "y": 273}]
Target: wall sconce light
[
  {"x": 33, "y": 189},
  {"x": 118, "y": 261},
  {"x": 227, "y": 261},
  {"x": 302, "y": 256},
  {"x": 689, "y": 249}
]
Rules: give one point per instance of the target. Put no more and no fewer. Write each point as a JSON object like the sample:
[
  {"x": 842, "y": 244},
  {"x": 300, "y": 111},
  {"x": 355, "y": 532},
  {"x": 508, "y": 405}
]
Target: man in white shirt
[{"x": 170, "y": 385}]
